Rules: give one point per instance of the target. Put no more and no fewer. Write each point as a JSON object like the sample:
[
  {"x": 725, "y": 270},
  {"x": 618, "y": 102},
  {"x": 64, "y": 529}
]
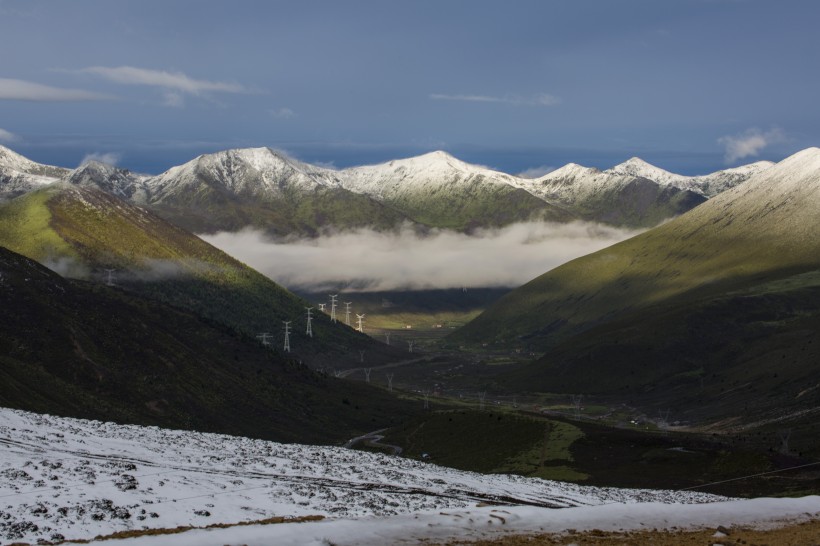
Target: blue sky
[{"x": 691, "y": 86}]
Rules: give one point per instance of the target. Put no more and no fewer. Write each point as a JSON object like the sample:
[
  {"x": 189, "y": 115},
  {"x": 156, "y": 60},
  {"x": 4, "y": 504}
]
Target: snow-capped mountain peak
[
  {"x": 260, "y": 172},
  {"x": 637, "y": 167},
  {"x": 10, "y": 160},
  {"x": 570, "y": 170},
  {"x": 19, "y": 175}
]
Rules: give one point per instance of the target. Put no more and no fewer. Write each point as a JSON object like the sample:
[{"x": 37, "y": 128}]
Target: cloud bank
[
  {"x": 109, "y": 158},
  {"x": 8, "y": 136},
  {"x": 35, "y": 92},
  {"x": 130, "y": 75},
  {"x": 749, "y": 143},
  {"x": 536, "y": 172},
  {"x": 366, "y": 260}
]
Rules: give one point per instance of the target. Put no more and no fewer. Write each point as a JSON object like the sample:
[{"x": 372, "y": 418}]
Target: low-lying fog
[{"x": 366, "y": 260}]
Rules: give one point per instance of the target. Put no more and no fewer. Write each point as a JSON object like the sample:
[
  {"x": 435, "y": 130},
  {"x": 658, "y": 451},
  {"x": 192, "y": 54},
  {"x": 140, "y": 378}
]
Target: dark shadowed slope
[
  {"x": 79, "y": 349},
  {"x": 82, "y": 231}
]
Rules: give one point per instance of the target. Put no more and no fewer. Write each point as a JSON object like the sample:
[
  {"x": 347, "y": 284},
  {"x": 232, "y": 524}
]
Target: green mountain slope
[
  {"x": 761, "y": 231},
  {"x": 86, "y": 350},
  {"x": 748, "y": 356},
  {"x": 82, "y": 231}
]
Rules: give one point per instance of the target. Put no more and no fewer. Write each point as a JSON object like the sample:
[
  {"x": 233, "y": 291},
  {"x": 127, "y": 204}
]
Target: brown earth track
[{"x": 789, "y": 534}]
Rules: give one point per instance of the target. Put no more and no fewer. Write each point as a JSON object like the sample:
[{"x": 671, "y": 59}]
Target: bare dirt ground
[{"x": 790, "y": 534}]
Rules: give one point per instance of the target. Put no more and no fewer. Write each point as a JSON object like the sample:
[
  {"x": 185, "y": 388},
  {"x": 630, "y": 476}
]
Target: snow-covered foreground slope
[{"x": 75, "y": 479}]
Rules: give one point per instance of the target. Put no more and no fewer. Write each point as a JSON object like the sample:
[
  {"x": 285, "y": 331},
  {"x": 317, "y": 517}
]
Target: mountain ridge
[{"x": 267, "y": 189}]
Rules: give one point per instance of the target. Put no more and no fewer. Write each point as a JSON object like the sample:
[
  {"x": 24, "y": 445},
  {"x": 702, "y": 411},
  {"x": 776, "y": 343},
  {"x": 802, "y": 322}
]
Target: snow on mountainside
[
  {"x": 257, "y": 172},
  {"x": 266, "y": 189},
  {"x": 74, "y": 479},
  {"x": 425, "y": 173},
  {"x": 619, "y": 198},
  {"x": 712, "y": 184},
  {"x": 19, "y": 175},
  {"x": 707, "y": 185},
  {"x": 778, "y": 204},
  {"x": 439, "y": 190},
  {"x": 637, "y": 167},
  {"x": 120, "y": 182}
]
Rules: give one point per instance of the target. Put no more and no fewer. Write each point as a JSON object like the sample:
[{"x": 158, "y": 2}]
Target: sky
[{"x": 523, "y": 87}]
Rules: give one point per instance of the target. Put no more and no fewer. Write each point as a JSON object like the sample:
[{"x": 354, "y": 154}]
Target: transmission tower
[
  {"x": 347, "y": 311},
  {"x": 322, "y": 307},
  {"x": 309, "y": 330},
  {"x": 110, "y": 277},
  {"x": 287, "y": 335},
  {"x": 367, "y": 374},
  {"x": 264, "y": 337},
  {"x": 359, "y": 319},
  {"x": 333, "y": 307},
  {"x": 410, "y": 346},
  {"x": 387, "y": 337},
  {"x": 390, "y": 382},
  {"x": 576, "y": 402},
  {"x": 361, "y": 355},
  {"x": 426, "y": 399}
]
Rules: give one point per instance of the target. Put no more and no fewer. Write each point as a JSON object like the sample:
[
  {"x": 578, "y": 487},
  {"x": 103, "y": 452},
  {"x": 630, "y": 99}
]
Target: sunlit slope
[
  {"x": 83, "y": 349},
  {"x": 765, "y": 229},
  {"x": 83, "y": 231}
]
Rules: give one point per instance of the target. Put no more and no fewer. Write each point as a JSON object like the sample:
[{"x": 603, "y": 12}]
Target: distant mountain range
[{"x": 268, "y": 190}]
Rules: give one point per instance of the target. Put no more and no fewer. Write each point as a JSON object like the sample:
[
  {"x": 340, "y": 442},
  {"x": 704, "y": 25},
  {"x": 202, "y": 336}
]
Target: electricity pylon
[
  {"x": 309, "y": 330},
  {"x": 333, "y": 307},
  {"x": 110, "y": 280},
  {"x": 287, "y": 335}
]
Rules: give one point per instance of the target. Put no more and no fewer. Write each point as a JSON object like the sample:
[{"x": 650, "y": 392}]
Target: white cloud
[
  {"x": 282, "y": 113},
  {"x": 326, "y": 165},
  {"x": 8, "y": 136},
  {"x": 749, "y": 143},
  {"x": 536, "y": 172},
  {"x": 130, "y": 75},
  {"x": 109, "y": 158},
  {"x": 369, "y": 260},
  {"x": 29, "y": 91},
  {"x": 541, "y": 99}
]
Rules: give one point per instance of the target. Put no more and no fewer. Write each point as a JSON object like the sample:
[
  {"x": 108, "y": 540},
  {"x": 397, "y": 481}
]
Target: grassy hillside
[
  {"x": 478, "y": 205},
  {"x": 761, "y": 231},
  {"x": 742, "y": 358},
  {"x": 209, "y": 210},
  {"x": 641, "y": 203},
  {"x": 83, "y": 231},
  {"x": 81, "y": 349}
]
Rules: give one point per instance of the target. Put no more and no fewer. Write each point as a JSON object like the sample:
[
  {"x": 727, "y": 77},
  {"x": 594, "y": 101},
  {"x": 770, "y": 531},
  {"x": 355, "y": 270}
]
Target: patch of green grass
[
  {"x": 549, "y": 457},
  {"x": 25, "y": 227},
  {"x": 491, "y": 441}
]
